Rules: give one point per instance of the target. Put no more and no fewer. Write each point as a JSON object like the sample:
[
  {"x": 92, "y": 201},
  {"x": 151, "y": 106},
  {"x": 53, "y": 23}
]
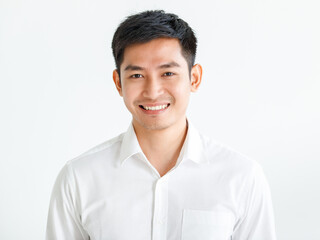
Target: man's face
[{"x": 155, "y": 83}]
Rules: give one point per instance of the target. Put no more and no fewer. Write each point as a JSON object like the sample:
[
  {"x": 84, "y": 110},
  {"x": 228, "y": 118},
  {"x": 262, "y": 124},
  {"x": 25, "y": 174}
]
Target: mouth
[{"x": 155, "y": 108}]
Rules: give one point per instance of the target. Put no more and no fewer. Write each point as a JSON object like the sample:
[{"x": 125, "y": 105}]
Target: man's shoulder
[
  {"x": 228, "y": 157},
  {"x": 101, "y": 151}
]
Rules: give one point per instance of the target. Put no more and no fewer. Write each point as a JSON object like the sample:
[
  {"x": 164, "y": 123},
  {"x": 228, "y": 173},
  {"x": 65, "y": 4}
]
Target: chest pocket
[{"x": 206, "y": 225}]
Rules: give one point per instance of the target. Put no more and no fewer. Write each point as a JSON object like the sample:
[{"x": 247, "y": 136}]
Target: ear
[
  {"x": 117, "y": 82},
  {"x": 196, "y": 76}
]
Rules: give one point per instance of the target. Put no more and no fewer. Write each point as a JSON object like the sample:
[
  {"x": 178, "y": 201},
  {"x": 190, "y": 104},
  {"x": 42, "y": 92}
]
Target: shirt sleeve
[
  {"x": 257, "y": 222},
  {"x": 63, "y": 219}
]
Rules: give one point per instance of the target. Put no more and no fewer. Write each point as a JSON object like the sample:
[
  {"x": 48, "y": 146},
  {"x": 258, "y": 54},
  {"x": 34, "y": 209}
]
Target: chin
[{"x": 154, "y": 125}]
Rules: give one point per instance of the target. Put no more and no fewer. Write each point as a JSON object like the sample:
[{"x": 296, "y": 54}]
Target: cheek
[
  {"x": 129, "y": 94},
  {"x": 181, "y": 92}
]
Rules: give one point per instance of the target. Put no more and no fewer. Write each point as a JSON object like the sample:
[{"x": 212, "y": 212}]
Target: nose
[{"x": 153, "y": 87}]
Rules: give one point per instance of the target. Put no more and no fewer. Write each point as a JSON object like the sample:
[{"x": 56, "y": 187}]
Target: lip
[
  {"x": 154, "y": 104},
  {"x": 154, "y": 112}
]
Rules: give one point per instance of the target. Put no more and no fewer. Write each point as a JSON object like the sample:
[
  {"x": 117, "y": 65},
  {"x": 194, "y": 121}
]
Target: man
[{"x": 161, "y": 179}]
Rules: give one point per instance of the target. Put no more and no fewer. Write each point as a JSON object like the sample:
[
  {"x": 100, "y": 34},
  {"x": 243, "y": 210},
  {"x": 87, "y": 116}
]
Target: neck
[{"x": 162, "y": 147}]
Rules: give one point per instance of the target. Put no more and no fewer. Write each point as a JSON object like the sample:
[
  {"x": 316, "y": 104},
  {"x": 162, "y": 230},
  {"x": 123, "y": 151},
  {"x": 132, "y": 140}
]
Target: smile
[{"x": 155, "y": 108}]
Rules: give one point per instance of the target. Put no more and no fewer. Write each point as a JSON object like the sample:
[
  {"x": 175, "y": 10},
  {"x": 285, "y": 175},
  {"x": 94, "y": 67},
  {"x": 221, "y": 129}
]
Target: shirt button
[{"x": 160, "y": 222}]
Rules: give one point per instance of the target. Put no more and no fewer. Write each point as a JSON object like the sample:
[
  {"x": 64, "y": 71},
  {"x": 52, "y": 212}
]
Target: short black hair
[{"x": 148, "y": 25}]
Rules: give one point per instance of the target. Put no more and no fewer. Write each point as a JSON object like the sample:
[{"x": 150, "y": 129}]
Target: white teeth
[{"x": 154, "y": 108}]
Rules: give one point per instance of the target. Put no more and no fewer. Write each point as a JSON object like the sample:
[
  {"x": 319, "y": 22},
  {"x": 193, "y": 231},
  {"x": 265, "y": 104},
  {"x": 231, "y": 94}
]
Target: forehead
[{"x": 155, "y": 52}]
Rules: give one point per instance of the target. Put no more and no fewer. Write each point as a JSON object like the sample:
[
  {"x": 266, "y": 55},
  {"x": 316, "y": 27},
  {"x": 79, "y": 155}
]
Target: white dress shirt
[{"x": 112, "y": 192}]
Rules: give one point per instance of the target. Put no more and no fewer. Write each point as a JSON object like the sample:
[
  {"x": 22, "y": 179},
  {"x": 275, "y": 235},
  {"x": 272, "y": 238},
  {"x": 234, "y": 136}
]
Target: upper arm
[
  {"x": 64, "y": 217},
  {"x": 257, "y": 221}
]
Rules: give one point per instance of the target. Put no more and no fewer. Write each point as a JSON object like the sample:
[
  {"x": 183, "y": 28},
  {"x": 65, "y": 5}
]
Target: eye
[
  {"x": 136, "y": 76},
  {"x": 168, "y": 74}
]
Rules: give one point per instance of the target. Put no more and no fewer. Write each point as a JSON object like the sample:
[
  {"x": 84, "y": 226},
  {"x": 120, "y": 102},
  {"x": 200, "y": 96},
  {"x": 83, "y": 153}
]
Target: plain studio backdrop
[{"x": 259, "y": 95}]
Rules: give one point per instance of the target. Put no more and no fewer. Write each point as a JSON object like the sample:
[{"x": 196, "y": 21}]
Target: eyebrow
[
  {"x": 133, "y": 67},
  {"x": 166, "y": 65},
  {"x": 169, "y": 65}
]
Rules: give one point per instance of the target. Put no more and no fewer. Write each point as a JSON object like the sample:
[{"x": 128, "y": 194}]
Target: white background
[{"x": 260, "y": 95}]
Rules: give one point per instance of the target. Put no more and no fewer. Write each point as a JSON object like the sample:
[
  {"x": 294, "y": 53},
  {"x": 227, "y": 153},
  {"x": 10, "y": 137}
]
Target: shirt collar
[
  {"x": 192, "y": 149},
  {"x": 193, "y": 146},
  {"x": 130, "y": 145}
]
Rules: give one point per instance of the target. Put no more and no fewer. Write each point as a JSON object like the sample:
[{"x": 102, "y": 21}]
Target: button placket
[{"x": 159, "y": 230}]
